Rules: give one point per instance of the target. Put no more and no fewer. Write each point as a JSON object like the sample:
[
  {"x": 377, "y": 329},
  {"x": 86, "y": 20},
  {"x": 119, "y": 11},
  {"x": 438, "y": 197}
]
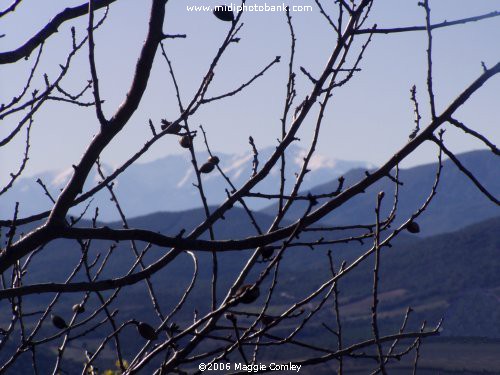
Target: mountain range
[
  {"x": 457, "y": 203},
  {"x": 166, "y": 184}
]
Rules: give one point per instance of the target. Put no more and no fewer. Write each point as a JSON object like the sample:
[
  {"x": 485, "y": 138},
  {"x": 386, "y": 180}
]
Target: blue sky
[{"x": 367, "y": 120}]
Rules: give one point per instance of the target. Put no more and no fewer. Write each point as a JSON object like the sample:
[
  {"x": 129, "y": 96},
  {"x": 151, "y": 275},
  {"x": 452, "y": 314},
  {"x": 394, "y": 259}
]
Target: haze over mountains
[{"x": 166, "y": 184}]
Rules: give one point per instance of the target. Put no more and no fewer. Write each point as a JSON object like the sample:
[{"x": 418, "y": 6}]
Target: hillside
[
  {"x": 452, "y": 275},
  {"x": 458, "y": 202},
  {"x": 450, "y": 271}
]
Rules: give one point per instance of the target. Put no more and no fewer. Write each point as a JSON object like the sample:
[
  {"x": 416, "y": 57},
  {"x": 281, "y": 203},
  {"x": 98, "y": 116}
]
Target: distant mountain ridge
[
  {"x": 166, "y": 184},
  {"x": 458, "y": 202}
]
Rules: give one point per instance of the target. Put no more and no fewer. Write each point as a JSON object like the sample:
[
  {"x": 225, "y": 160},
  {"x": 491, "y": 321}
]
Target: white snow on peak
[
  {"x": 317, "y": 161},
  {"x": 237, "y": 162},
  {"x": 238, "y": 165},
  {"x": 185, "y": 179},
  {"x": 62, "y": 178}
]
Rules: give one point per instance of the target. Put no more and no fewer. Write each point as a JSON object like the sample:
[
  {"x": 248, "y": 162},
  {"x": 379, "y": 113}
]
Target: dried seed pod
[
  {"x": 78, "y": 308},
  {"x": 214, "y": 160},
  {"x": 185, "y": 141},
  {"x": 223, "y": 13},
  {"x": 207, "y": 167},
  {"x": 58, "y": 322},
  {"x": 170, "y": 128},
  {"x": 146, "y": 331},
  {"x": 413, "y": 227},
  {"x": 266, "y": 252},
  {"x": 247, "y": 293}
]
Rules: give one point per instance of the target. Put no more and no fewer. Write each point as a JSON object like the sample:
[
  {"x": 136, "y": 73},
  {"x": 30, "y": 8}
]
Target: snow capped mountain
[{"x": 166, "y": 184}]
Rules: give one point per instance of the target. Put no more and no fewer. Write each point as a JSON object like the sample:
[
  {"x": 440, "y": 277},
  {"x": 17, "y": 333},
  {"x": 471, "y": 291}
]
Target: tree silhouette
[{"x": 241, "y": 322}]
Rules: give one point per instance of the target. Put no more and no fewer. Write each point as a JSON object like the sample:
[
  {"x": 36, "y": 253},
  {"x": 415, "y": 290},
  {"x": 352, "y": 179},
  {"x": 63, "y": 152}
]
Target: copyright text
[{"x": 257, "y": 367}]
